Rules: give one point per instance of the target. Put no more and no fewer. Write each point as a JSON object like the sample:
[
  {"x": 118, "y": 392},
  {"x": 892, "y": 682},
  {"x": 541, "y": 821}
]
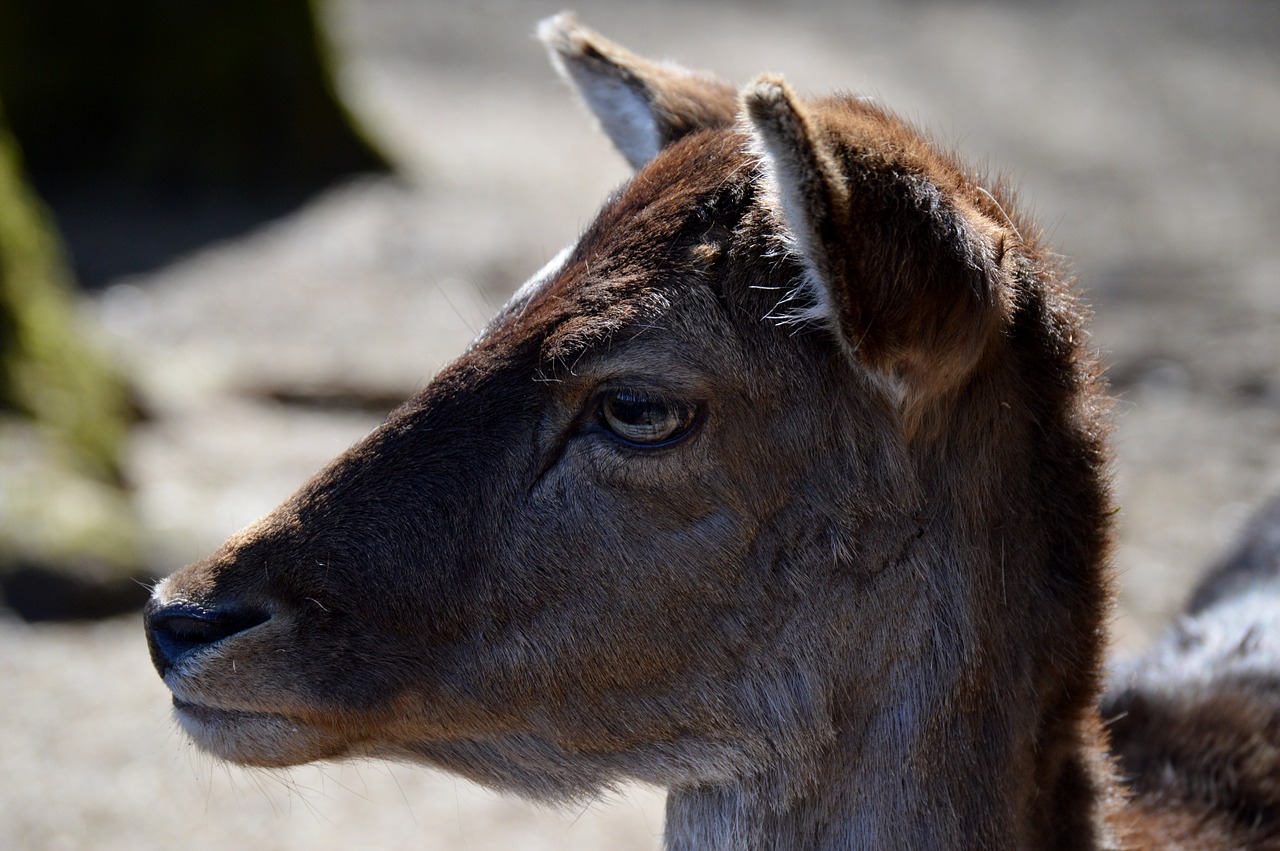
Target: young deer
[{"x": 784, "y": 488}]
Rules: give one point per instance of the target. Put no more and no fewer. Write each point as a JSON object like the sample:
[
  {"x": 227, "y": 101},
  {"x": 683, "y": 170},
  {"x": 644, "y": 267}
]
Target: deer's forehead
[
  {"x": 649, "y": 264},
  {"x": 574, "y": 310},
  {"x": 652, "y": 252}
]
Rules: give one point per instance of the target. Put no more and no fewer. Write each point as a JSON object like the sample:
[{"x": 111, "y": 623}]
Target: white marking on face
[
  {"x": 528, "y": 290},
  {"x": 541, "y": 278}
]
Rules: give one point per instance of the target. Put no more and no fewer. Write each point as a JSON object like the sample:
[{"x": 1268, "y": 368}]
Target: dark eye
[{"x": 645, "y": 419}]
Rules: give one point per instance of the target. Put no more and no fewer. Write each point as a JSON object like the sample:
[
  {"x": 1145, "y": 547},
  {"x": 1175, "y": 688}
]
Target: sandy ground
[{"x": 1144, "y": 134}]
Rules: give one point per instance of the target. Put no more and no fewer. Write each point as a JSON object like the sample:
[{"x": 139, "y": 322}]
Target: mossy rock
[
  {"x": 70, "y": 542},
  {"x": 48, "y": 371}
]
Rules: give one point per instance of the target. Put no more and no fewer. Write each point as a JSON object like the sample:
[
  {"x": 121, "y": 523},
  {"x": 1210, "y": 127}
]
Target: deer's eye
[{"x": 645, "y": 419}]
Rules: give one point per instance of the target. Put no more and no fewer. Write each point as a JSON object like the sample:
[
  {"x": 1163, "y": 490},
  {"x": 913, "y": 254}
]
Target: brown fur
[
  {"x": 859, "y": 603},
  {"x": 1204, "y": 765}
]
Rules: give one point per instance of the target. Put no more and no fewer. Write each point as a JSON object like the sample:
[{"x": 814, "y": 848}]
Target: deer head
[{"x": 785, "y": 475}]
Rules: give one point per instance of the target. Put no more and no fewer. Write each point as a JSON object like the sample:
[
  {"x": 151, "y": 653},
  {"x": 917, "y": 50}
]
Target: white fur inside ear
[
  {"x": 810, "y": 302},
  {"x": 624, "y": 114},
  {"x": 620, "y": 104}
]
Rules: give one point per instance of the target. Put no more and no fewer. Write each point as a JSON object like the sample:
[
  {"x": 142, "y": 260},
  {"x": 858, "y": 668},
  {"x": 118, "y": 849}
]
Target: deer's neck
[
  {"x": 929, "y": 790},
  {"x": 972, "y": 736}
]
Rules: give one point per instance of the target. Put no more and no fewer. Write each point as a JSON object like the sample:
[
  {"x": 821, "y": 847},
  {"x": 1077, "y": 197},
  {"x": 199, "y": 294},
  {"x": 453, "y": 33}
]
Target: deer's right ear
[
  {"x": 643, "y": 106},
  {"x": 899, "y": 263}
]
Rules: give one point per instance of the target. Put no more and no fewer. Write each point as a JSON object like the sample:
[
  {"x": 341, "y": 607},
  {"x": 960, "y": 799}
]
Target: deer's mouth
[
  {"x": 251, "y": 737},
  {"x": 188, "y": 712}
]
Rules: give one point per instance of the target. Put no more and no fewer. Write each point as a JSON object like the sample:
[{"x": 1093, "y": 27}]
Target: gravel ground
[{"x": 1144, "y": 133}]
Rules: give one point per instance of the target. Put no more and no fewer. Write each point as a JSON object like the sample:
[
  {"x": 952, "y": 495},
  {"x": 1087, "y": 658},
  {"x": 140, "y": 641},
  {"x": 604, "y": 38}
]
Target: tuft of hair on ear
[
  {"x": 897, "y": 264},
  {"x": 642, "y": 105}
]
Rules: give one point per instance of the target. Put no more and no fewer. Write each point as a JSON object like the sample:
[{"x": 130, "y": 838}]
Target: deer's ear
[
  {"x": 903, "y": 270},
  {"x": 643, "y": 106}
]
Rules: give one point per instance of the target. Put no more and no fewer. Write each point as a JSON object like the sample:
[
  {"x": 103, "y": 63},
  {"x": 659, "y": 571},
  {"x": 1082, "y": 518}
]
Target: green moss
[
  {"x": 48, "y": 370},
  {"x": 70, "y": 541},
  {"x": 54, "y": 516}
]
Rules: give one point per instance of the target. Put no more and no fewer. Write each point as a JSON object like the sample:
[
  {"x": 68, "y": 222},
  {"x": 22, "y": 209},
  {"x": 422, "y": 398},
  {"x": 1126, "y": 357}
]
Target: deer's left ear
[
  {"x": 900, "y": 262},
  {"x": 642, "y": 105}
]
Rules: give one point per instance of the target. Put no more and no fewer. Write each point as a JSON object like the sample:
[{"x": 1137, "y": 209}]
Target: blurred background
[{"x": 233, "y": 235}]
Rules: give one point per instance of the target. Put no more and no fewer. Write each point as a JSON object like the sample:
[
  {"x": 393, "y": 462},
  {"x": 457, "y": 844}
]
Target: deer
[{"x": 785, "y": 487}]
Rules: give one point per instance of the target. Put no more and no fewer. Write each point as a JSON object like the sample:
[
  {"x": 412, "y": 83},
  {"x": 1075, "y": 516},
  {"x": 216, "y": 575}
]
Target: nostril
[
  {"x": 177, "y": 629},
  {"x": 194, "y": 629}
]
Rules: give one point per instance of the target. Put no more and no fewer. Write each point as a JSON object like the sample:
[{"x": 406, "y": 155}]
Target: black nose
[{"x": 178, "y": 629}]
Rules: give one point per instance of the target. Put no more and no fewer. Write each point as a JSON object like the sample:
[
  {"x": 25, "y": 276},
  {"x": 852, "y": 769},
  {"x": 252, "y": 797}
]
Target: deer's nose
[{"x": 175, "y": 630}]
